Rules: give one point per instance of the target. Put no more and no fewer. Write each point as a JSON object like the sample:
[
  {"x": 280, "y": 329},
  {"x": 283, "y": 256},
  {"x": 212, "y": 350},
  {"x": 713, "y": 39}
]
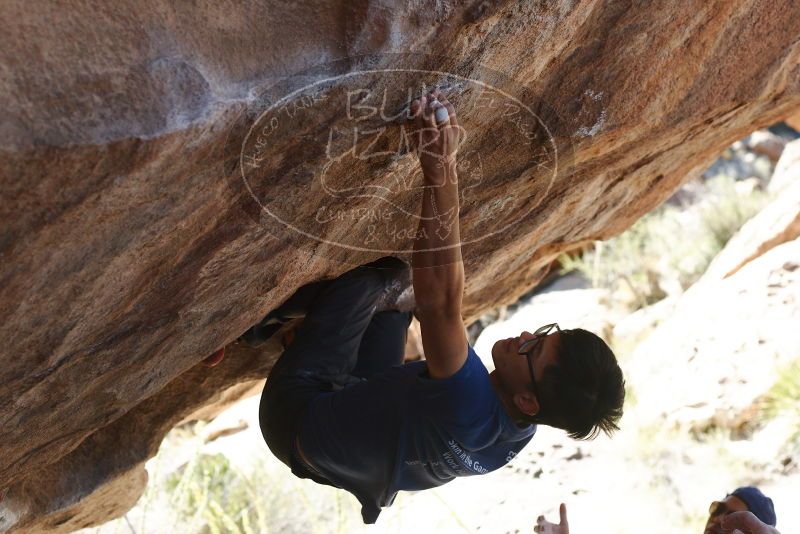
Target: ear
[{"x": 526, "y": 403}]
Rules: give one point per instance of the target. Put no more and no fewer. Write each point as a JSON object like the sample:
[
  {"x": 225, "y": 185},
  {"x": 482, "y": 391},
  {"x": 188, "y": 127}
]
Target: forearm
[{"x": 438, "y": 269}]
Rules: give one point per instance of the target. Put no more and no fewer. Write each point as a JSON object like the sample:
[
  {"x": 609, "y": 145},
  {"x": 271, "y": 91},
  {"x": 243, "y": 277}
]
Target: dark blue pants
[{"x": 340, "y": 341}]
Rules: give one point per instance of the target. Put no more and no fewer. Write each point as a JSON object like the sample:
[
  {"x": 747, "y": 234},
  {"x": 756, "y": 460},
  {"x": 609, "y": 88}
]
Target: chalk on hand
[{"x": 441, "y": 113}]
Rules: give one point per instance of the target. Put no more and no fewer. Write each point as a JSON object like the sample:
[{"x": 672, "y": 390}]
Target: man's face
[
  {"x": 512, "y": 368},
  {"x": 729, "y": 505}
]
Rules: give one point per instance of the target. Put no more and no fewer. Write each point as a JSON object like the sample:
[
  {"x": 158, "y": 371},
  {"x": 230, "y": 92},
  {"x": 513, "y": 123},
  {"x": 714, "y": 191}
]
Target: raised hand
[
  {"x": 546, "y": 527},
  {"x": 746, "y": 523},
  {"x": 435, "y": 135}
]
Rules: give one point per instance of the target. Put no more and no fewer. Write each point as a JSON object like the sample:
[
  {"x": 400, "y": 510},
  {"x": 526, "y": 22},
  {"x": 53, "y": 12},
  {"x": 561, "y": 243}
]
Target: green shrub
[
  {"x": 668, "y": 249},
  {"x": 208, "y": 492},
  {"x": 783, "y": 400}
]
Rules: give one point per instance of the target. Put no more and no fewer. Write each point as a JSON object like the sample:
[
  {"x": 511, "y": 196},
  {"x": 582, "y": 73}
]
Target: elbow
[{"x": 437, "y": 313}]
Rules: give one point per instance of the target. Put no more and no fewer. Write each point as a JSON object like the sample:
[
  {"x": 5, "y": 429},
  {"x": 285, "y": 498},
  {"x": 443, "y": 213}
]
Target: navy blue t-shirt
[{"x": 402, "y": 430}]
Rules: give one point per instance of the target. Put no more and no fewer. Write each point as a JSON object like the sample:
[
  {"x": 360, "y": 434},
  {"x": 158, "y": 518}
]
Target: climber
[
  {"x": 341, "y": 409},
  {"x": 745, "y": 510}
]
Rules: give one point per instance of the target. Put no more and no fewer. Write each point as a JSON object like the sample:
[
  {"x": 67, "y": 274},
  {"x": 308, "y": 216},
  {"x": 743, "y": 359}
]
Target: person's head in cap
[{"x": 744, "y": 499}]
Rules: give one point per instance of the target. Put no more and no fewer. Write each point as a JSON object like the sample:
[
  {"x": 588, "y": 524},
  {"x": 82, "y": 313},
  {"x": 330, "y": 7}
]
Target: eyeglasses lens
[{"x": 541, "y": 331}]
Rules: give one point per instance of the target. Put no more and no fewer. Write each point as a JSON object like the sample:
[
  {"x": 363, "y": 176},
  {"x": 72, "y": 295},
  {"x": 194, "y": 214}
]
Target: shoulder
[
  {"x": 471, "y": 370},
  {"x": 465, "y": 397}
]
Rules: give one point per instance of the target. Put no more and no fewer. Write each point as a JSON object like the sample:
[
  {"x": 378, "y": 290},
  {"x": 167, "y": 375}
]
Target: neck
[{"x": 505, "y": 398}]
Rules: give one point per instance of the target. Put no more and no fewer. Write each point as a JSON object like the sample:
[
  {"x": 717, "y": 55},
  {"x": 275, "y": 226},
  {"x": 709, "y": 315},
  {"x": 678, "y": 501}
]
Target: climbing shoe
[
  {"x": 215, "y": 358},
  {"x": 259, "y": 333}
]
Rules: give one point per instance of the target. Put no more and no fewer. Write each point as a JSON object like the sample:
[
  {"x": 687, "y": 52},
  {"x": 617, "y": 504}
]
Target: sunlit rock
[
  {"x": 721, "y": 350},
  {"x": 132, "y": 249}
]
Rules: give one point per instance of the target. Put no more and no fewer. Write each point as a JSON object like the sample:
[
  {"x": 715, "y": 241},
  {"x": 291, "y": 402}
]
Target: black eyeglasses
[
  {"x": 527, "y": 348},
  {"x": 718, "y": 508}
]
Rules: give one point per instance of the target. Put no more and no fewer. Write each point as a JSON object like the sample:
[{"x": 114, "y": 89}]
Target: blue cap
[{"x": 758, "y": 503}]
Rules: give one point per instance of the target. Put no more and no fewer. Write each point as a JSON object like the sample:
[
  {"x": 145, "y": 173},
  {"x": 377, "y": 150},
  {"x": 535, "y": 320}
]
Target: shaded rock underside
[{"x": 132, "y": 249}]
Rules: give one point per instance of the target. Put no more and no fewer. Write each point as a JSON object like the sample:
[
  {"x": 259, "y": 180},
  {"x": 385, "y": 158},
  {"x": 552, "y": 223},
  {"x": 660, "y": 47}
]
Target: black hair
[{"x": 583, "y": 392}]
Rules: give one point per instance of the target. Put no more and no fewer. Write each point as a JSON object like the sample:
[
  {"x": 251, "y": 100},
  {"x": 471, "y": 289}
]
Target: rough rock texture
[
  {"x": 131, "y": 248},
  {"x": 104, "y": 476}
]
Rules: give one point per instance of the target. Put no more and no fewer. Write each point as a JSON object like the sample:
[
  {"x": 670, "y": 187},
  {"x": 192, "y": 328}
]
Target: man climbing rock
[{"x": 339, "y": 406}]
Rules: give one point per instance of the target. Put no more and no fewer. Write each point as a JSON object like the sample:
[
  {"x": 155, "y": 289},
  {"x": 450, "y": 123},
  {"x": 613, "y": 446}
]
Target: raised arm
[{"x": 437, "y": 267}]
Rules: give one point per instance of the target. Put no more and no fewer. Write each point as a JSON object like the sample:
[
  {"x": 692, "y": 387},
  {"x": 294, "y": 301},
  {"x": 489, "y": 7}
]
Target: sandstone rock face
[
  {"x": 732, "y": 334},
  {"x": 777, "y": 223},
  {"x": 787, "y": 170},
  {"x": 152, "y": 210},
  {"x": 767, "y": 144}
]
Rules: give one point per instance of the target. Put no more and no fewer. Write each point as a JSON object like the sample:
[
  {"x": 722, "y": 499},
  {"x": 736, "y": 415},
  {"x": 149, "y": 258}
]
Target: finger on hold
[
  {"x": 451, "y": 110},
  {"x": 428, "y": 114},
  {"x": 739, "y": 520},
  {"x": 414, "y": 109},
  {"x": 419, "y": 115}
]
